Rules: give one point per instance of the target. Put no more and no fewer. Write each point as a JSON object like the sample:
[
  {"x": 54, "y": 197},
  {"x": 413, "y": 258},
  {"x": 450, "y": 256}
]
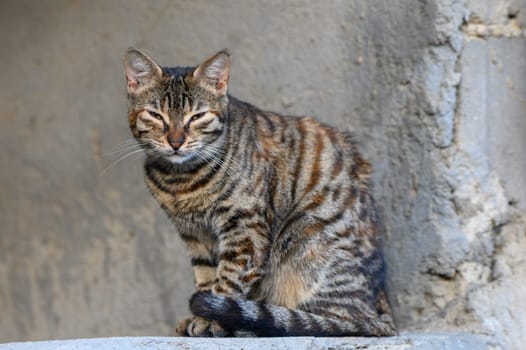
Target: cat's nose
[{"x": 176, "y": 139}]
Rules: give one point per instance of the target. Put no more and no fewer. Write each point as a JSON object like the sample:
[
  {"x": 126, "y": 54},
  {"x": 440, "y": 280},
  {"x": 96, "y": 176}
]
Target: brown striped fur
[{"x": 276, "y": 211}]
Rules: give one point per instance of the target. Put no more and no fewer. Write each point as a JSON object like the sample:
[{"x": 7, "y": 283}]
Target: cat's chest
[
  {"x": 185, "y": 216},
  {"x": 176, "y": 199},
  {"x": 191, "y": 210}
]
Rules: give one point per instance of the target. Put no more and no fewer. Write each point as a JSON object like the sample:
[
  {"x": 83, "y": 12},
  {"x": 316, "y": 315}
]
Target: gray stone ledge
[{"x": 422, "y": 341}]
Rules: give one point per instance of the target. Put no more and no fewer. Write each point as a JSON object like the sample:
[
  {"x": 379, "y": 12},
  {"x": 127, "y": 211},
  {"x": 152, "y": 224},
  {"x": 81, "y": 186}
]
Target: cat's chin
[{"x": 180, "y": 158}]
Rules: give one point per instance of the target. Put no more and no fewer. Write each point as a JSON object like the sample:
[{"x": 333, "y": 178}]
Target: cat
[{"x": 276, "y": 211}]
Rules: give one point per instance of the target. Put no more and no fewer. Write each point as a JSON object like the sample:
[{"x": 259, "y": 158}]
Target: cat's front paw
[
  {"x": 180, "y": 329},
  {"x": 199, "y": 327}
]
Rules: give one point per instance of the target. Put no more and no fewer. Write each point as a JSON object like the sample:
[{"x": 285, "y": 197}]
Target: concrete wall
[{"x": 85, "y": 251}]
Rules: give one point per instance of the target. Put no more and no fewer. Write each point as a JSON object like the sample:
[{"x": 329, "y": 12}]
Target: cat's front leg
[
  {"x": 243, "y": 248},
  {"x": 203, "y": 260},
  {"x": 201, "y": 247}
]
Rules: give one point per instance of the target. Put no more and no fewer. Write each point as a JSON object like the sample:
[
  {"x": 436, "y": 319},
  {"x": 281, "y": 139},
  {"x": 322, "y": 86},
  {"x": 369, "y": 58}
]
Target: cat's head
[{"x": 178, "y": 113}]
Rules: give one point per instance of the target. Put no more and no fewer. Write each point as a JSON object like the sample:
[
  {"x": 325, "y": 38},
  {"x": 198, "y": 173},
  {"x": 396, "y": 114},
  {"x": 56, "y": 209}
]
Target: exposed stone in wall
[{"x": 496, "y": 19}]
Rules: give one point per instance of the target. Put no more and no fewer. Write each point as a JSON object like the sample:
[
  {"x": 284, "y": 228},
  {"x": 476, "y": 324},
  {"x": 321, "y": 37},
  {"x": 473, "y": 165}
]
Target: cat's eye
[
  {"x": 197, "y": 116},
  {"x": 156, "y": 115}
]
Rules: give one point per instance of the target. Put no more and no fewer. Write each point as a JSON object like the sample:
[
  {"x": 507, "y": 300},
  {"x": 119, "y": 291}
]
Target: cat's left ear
[
  {"x": 214, "y": 73},
  {"x": 141, "y": 71}
]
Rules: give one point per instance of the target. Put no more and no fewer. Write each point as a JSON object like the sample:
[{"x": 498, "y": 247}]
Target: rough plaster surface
[
  {"x": 84, "y": 249},
  {"x": 450, "y": 341}
]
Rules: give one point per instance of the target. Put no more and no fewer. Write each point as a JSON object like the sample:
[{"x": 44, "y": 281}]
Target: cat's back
[{"x": 309, "y": 152}]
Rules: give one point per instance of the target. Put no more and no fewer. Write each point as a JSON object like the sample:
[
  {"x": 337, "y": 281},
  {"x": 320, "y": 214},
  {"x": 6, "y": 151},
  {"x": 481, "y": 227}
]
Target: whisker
[
  {"x": 215, "y": 160},
  {"x": 122, "y": 150},
  {"x": 228, "y": 156},
  {"x": 226, "y": 162},
  {"x": 126, "y": 146},
  {"x": 119, "y": 160},
  {"x": 226, "y": 166},
  {"x": 129, "y": 141}
]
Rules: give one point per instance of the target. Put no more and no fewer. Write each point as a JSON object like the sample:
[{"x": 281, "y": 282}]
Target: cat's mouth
[
  {"x": 170, "y": 153},
  {"x": 176, "y": 156}
]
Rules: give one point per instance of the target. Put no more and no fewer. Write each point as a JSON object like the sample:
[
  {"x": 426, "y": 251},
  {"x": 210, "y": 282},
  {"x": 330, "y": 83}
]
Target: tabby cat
[{"x": 276, "y": 212}]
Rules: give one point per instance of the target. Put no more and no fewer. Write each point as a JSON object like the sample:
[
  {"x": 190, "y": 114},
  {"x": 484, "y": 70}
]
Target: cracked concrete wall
[
  {"x": 84, "y": 249},
  {"x": 474, "y": 110},
  {"x": 489, "y": 195}
]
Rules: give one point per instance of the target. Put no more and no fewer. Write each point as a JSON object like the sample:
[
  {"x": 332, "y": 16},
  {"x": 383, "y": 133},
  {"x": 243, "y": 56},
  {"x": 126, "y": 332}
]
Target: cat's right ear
[{"x": 141, "y": 71}]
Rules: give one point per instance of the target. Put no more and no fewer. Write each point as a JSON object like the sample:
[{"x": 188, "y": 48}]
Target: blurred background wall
[{"x": 434, "y": 90}]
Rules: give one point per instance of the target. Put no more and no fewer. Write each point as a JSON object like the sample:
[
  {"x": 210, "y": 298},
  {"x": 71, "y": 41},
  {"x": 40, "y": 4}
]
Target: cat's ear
[
  {"x": 214, "y": 72},
  {"x": 141, "y": 71}
]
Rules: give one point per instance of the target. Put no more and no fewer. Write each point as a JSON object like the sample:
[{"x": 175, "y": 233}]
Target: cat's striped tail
[{"x": 265, "y": 320}]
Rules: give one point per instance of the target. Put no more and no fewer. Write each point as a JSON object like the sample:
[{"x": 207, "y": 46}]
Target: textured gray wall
[{"x": 85, "y": 251}]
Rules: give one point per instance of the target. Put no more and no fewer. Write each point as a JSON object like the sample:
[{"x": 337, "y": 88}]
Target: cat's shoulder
[{"x": 272, "y": 121}]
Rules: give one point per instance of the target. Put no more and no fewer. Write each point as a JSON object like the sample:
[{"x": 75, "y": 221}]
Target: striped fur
[{"x": 276, "y": 211}]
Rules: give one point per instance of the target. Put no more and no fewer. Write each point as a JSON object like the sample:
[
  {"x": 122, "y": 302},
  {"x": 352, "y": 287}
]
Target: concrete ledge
[{"x": 422, "y": 341}]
